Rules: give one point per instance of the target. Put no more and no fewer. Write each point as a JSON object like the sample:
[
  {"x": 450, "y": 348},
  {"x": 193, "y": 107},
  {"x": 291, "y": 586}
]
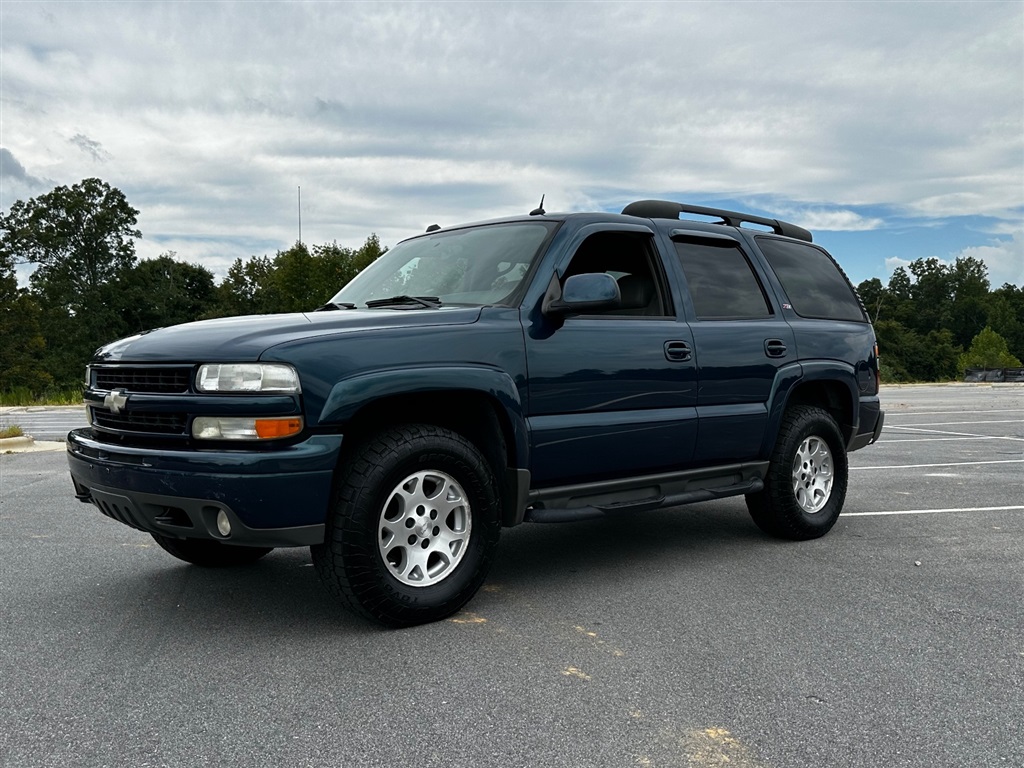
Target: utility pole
[{"x": 300, "y": 215}]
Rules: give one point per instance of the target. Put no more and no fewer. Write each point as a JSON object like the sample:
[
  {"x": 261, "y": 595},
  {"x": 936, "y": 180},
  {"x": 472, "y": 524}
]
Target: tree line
[
  {"x": 87, "y": 287},
  {"x": 935, "y": 320}
]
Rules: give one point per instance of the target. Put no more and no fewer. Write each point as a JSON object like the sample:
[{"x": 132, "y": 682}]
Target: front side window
[
  {"x": 630, "y": 258},
  {"x": 473, "y": 266},
  {"x": 812, "y": 280},
  {"x": 722, "y": 284}
]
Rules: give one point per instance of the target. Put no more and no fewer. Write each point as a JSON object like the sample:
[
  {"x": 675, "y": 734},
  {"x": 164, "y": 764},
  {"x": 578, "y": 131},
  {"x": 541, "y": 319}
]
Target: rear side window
[
  {"x": 813, "y": 281},
  {"x": 722, "y": 284}
]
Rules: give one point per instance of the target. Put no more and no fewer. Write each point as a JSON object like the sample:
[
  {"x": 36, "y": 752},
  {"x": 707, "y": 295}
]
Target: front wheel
[
  {"x": 209, "y": 553},
  {"x": 414, "y": 527},
  {"x": 805, "y": 487}
]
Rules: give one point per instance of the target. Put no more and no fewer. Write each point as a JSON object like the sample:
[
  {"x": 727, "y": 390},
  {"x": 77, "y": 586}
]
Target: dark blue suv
[{"x": 541, "y": 368}]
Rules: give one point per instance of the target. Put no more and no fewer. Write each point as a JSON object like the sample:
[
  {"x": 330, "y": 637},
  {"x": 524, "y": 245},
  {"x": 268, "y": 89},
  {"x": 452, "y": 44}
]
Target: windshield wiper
[
  {"x": 430, "y": 302},
  {"x": 335, "y": 305}
]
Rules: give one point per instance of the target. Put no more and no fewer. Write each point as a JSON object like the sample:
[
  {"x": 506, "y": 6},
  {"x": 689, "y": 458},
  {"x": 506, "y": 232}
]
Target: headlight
[
  {"x": 247, "y": 377},
  {"x": 245, "y": 428}
]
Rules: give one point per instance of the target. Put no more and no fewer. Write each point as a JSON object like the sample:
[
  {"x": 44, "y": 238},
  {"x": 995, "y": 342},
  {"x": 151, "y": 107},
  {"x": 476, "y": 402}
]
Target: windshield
[{"x": 479, "y": 265}]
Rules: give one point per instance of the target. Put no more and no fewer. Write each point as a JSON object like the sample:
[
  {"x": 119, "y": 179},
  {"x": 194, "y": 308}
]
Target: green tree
[
  {"x": 907, "y": 355},
  {"x": 81, "y": 239},
  {"x": 988, "y": 350},
  {"x": 21, "y": 353},
  {"x": 1006, "y": 317},
  {"x": 164, "y": 291},
  {"x": 294, "y": 285},
  {"x": 874, "y": 295},
  {"x": 368, "y": 253},
  {"x": 244, "y": 290},
  {"x": 898, "y": 298},
  {"x": 931, "y": 294},
  {"x": 967, "y": 311},
  {"x": 299, "y": 279}
]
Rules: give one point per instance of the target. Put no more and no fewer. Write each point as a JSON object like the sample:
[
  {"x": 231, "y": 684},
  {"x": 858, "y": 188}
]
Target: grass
[
  {"x": 54, "y": 396},
  {"x": 12, "y": 431}
]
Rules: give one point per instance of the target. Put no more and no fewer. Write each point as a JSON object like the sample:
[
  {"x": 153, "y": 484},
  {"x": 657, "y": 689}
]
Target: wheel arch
[
  {"x": 828, "y": 385},
  {"x": 478, "y": 403}
]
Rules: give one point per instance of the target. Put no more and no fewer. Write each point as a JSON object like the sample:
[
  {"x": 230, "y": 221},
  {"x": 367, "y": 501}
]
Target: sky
[{"x": 893, "y": 130}]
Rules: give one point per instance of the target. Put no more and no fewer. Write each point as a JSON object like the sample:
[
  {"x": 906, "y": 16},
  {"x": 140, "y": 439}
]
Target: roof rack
[{"x": 663, "y": 209}]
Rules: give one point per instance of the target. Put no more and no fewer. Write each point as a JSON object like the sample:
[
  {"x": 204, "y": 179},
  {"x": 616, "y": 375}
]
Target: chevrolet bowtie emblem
[{"x": 116, "y": 400}]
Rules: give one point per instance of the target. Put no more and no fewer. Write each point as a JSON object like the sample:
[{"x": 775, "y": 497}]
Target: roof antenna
[{"x": 539, "y": 210}]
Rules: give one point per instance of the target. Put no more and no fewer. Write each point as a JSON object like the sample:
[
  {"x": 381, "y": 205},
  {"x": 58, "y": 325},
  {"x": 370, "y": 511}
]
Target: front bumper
[{"x": 272, "y": 498}]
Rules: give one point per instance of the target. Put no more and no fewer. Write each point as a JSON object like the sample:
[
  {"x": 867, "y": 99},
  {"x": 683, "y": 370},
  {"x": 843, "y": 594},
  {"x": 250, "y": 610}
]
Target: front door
[{"x": 612, "y": 394}]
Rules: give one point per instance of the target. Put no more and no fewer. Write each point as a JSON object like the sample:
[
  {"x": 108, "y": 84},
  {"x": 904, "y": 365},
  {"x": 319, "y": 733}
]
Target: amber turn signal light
[{"x": 275, "y": 428}]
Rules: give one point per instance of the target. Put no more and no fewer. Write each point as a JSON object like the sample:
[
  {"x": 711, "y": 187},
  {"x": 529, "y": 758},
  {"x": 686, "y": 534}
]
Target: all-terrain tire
[
  {"x": 414, "y": 527},
  {"x": 805, "y": 487},
  {"x": 210, "y": 553}
]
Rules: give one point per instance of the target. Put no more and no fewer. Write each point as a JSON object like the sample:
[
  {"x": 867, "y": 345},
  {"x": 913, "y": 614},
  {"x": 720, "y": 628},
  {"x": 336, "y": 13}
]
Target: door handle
[
  {"x": 775, "y": 347},
  {"x": 678, "y": 351}
]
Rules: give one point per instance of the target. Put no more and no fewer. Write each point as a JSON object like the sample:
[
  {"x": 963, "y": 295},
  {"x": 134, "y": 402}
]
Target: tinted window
[
  {"x": 812, "y": 280},
  {"x": 722, "y": 284}
]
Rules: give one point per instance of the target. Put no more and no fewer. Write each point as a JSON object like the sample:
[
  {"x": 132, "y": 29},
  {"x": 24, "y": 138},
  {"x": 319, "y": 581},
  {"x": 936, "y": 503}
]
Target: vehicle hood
[{"x": 247, "y": 337}]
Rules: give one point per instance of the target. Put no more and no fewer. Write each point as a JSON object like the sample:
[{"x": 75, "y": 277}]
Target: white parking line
[
  {"x": 950, "y": 464},
  {"x": 946, "y": 423},
  {"x": 956, "y": 434},
  {"x": 936, "y": 439},
  {"x": 932, "y": 511},
  {"x": 958, "y": 412}
]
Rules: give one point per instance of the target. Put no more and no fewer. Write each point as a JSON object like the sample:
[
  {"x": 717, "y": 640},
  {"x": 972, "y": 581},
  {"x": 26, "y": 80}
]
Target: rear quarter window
[{"x": 814, "y": 283}]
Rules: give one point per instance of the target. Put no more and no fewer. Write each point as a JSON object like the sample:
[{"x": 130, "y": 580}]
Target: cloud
[
  {"x": 834, "y": 221},
  {"x": 10, "y": 168},
  {"x": 392, "y": 116},
  {"x": 15, "y": 181},
  {"x": 893, "y": 263},
  {"x": 91, "y": 148},
  {"x": 1004, "y": 259}
]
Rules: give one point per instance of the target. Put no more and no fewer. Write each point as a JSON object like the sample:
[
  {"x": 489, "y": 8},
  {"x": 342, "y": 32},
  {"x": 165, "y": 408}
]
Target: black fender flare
[{"x": 351, "y": 394}]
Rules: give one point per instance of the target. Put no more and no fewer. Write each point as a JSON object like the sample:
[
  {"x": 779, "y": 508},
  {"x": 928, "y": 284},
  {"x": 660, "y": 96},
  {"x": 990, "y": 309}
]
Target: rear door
[{"x": 741, "y": 341}]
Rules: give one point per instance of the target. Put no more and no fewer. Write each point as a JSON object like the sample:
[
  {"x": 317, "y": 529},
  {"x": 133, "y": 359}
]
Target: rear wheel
[
  {"x": 210, "y": 553},
  {"x": 805, "y": 487},
  {"x": 414, "y": 527}
]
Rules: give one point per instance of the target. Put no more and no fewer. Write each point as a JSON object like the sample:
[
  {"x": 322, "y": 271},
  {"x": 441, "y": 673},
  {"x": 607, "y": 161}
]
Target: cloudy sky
[{"x": 893, "y": 130}]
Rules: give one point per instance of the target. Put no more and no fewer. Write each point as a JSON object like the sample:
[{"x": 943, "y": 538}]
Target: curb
[
  {"x": 14, "y": 443},
  {"x": 6, "y": 409},
  {"x": 28, "y": 444}
]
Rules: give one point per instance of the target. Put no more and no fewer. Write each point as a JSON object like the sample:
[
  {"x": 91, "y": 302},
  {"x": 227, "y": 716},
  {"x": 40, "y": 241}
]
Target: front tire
[
  {"x": 210, "y": 553},
  {"x": 414, "y": 528},
  {"x": 805, "y": 487}
]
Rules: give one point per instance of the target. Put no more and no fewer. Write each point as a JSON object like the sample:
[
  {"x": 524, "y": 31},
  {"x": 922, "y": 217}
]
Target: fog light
[{"x": 223, "y": 524}]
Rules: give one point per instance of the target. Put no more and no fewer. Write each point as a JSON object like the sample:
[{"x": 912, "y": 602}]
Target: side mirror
[{"x": 592, "y": 292}]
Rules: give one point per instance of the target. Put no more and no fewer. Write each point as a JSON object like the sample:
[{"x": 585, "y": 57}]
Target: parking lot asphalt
[
  {"x": 680, "y": 637},
  {"x": 44, "y": 423}
]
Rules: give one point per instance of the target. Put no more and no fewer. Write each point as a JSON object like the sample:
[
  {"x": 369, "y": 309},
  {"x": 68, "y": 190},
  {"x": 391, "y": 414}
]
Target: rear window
[
  {"x": 722, "y": 284},
  {"x": 815, "y": 285}
]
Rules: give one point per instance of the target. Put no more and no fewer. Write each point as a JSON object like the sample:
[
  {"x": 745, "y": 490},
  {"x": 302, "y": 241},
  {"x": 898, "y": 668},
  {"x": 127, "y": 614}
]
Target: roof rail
[{"x": 663, "y": 209}]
